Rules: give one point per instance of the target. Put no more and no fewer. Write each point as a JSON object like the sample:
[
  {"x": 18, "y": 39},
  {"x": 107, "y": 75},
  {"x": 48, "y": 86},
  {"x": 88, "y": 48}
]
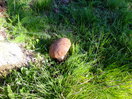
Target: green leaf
[{"x": 10, "y": 93}]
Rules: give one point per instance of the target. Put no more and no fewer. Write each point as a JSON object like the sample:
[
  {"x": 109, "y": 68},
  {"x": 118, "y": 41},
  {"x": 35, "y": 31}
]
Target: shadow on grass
[{"x": 88, "y": 25}]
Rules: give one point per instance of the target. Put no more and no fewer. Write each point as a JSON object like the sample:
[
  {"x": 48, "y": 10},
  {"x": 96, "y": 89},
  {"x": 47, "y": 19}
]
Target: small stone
[
  {"x": 12, "y": 56},
  {"x": 10, "y": 53},
  {"x": 59, "y": 49}
]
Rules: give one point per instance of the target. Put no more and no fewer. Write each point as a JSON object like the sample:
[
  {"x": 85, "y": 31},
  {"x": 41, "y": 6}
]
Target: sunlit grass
[{"x": 98, "y": 65}]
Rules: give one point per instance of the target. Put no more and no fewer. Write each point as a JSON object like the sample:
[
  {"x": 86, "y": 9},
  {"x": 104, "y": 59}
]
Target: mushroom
[{"x": 59, "y": 49}]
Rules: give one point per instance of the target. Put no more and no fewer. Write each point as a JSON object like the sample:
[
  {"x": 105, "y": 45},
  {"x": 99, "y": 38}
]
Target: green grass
[{"x": 99, "y": 62}]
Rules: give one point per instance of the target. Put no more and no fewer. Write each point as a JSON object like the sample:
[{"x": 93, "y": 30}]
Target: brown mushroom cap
[{"x": 59, "y": 48}]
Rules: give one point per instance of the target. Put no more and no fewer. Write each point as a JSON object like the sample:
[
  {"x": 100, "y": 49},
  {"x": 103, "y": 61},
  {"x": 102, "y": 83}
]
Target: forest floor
[{"x": 99, "y": 63}]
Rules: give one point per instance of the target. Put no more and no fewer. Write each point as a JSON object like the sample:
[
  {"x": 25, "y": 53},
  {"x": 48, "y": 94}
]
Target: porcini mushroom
[{"x": 59, "y": 49}]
